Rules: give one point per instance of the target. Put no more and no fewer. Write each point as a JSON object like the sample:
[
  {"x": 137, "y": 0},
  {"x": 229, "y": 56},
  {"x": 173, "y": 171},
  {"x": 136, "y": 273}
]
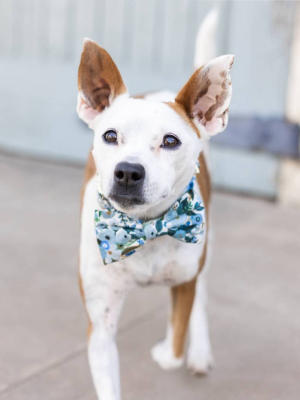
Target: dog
[{"x": 144, "y": 155}]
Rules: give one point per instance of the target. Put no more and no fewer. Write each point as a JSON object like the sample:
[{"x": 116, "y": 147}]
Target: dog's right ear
[
  {"x": 207, "y": 95},
  {"x": 99, "y": 81}
]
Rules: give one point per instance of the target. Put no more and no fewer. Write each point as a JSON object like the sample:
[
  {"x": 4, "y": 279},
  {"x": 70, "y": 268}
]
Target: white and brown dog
[{"x": 155, "y": 145}]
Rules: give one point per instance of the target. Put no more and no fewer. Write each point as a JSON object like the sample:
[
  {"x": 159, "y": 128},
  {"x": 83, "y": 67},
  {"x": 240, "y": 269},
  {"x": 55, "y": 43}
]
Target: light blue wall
[
  {"x": 152, "y": 41},
  {"x": 259, "y": 33}
]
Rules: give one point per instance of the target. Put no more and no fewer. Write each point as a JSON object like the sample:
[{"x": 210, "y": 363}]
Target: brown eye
[
  {"x": 170, "y": 142},
  {"x": 110, "y": 137}
]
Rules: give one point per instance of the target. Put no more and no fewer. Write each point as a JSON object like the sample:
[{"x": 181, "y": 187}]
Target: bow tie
[{"x": 119, "y": 235}]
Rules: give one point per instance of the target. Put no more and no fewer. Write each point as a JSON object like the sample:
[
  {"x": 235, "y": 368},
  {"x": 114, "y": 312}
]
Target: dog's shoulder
[
  {"x": 89, "y": 173},
  {"x": 203, "y": 180}
]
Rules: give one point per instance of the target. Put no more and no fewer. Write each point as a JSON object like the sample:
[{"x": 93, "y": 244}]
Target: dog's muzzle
[{"x": 128, "y": 184}]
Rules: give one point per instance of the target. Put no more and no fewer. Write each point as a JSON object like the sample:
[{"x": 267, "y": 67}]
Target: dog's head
[{"x": 145, "y": 151}]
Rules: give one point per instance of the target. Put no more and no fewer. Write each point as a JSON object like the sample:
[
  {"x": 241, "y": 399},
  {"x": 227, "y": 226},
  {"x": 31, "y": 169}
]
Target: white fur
[
  {"x": 105, "y": 288},
  {"x": 163, "y": 95},
  {"x": 206, "y": 41},
  {"x": 104, "y": 291},
  {"x": 163, "y": 354},
  {"x": 141, "y": 126}
]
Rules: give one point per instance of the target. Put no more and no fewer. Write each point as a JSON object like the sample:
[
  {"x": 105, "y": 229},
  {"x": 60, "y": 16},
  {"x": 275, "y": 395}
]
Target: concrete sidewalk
[{"x": 254, "y": 289}]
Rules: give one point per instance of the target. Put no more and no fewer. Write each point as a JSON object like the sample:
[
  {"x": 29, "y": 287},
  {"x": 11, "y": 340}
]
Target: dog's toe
[{"x": 199, "y": 362}]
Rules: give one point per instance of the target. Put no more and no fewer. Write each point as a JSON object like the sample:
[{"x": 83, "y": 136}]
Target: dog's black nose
[{"x": 129, "y": 175}]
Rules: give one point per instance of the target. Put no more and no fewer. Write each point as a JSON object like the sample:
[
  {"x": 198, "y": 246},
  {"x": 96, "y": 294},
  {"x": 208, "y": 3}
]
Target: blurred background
[
  {"x": 153, "y": 43},
  {"x": 254, "y": 284}
]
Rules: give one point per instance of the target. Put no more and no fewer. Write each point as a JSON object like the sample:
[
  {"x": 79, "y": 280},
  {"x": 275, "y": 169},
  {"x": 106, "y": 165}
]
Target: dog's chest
[{"x": 164, "y": 260}]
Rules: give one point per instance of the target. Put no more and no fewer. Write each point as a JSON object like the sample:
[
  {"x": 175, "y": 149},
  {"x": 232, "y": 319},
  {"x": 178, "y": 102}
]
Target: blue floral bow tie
[{"x": 119, "y": 235}]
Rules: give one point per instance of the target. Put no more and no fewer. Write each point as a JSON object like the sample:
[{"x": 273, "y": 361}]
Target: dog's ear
[
  {"x": 206, "y": 96},
  {"x": 99, "y": 81}
]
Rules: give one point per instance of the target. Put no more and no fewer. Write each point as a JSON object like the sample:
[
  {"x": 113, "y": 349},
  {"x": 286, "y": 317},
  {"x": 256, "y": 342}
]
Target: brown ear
[
  {"x": 206, "y": 96},
  {"x": 99, "y": 81}
]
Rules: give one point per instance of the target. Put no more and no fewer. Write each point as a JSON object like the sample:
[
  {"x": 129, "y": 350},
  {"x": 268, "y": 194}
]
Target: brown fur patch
[
  {"x": 225, "y": 84},
  {"x": 222, "y": 116},
  {"x": 89, "y": 173},
  {"x": 89, "y": 330},
  {"x": 182, "y": 302},
  {"x": 203, "y": 180},
  {"x": 196, "y": 87},
  {"x": 180, "y": 110},
  {"x": 142, "y": 96},
  {"x": 202, "y": 93},
  {"x": 98, "y": 77}
]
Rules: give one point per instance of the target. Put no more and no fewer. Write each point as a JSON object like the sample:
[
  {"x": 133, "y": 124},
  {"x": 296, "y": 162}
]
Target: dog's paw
[
  {"x": 199, "y": 360},
  {"x": 162, "y": 353}
]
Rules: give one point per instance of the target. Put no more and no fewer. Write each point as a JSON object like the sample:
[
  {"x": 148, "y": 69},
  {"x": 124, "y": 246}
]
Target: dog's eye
[
  {"x": 111, "y": 137},
  {"x": 170, "y": 142}
]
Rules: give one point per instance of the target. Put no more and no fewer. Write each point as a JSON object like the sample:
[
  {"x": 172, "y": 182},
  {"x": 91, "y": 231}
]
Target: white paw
[
  {"x": 162, "y": 353},
  {"x": 199, "y": 360}
]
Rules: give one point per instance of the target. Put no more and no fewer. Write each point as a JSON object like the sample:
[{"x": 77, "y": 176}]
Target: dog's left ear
[
  {"x": 206, "y": 96},
  {"x": 99, "y": 81}
]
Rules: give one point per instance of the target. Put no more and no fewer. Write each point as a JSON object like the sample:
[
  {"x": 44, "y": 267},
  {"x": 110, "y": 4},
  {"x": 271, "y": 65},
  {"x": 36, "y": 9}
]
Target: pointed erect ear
[
  {"x": 206, "y": 96},
  {"x": 99, "y": 81}
]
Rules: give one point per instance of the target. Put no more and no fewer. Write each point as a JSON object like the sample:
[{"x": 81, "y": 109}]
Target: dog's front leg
[
  {"x": 104, "y": 303},
  {"x": 169, "y": 353},
  {"x": 104, "y": 363}
]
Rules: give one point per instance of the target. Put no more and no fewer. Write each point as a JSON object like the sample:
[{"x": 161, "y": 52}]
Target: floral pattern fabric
[{"x": 119, "y": 235}]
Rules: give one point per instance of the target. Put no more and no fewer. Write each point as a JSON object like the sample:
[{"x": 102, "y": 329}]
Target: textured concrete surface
[{"x": 253, "y": 307}]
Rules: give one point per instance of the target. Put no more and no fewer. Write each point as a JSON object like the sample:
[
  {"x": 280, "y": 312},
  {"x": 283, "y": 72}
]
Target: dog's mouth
[{"x": 127, "y": 201}]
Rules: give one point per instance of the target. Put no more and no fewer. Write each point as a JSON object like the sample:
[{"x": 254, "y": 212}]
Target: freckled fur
[{"x": 207, "y": 95}]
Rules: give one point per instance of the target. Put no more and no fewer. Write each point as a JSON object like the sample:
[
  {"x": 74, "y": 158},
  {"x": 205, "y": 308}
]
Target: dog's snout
[{"x": 129, "y": 175}]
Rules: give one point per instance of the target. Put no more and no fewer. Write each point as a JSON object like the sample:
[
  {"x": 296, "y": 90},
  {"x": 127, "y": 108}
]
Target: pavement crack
[{"x": 126, "y": 328}]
